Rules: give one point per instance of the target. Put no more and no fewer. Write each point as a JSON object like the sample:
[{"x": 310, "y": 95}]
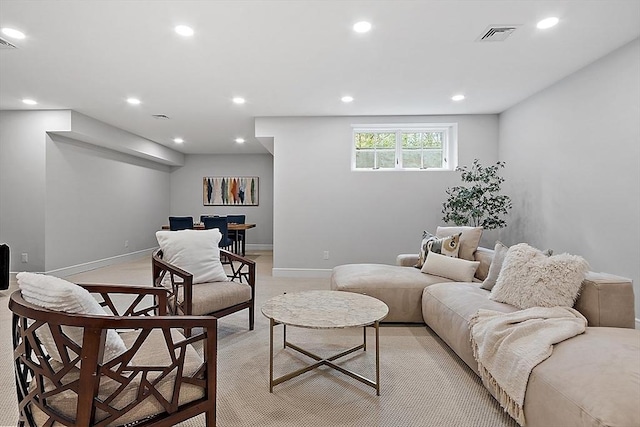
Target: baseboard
[
  {"x": 637, "y": 323},
  {"x": 258, "y": 247},
  {"x": 300, "y": 272},
  {"x": 80, "y": 268}
]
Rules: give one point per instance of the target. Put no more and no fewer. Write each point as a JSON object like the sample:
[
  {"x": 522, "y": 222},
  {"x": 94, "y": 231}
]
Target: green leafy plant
[{"x": 478, "y": 202}]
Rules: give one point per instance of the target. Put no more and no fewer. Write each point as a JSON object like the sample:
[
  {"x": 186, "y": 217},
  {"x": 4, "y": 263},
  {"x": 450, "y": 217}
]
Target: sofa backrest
[{"x": 604, "y": 299}]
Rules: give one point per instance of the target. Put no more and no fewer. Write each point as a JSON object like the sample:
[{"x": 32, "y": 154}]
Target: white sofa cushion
[{"x": 456, "y": 269}]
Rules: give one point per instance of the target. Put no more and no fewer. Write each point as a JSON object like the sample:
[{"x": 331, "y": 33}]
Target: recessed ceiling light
[
  {"x": 178, "y": 140},
  {"x": 347, "y": 99},
  {"x": 133, "y": 101},
  {"x": 29, "y": 101},
  {"x": 10, "y": 32},
  {"x": 362, "y": 27},
  {"x": 183, "y": 30},
  {"x": 547, "y": 23},
  {"x": 240, "y": 140},
  {"x": 457, "y": 97},
  {"x": 239, "y": 100}
]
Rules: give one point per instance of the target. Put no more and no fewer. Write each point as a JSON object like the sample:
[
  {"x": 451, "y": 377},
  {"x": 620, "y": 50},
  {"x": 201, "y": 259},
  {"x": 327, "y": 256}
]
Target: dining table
[{"x": 232, "y": 226}]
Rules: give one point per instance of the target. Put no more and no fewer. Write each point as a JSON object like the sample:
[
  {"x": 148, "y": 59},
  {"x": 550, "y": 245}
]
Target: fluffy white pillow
[
  {"x": 195, "y": 251},
  {"x": 529, "y": 278},
  {"x": 456, "y": 269},
  {"x": 57, "y": 294},
  {"x": 499, "y": 253}
]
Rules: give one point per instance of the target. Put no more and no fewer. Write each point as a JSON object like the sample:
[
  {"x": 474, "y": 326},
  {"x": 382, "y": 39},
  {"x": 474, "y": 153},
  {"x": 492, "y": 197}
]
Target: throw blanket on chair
[{"x": 507, "y": 346}]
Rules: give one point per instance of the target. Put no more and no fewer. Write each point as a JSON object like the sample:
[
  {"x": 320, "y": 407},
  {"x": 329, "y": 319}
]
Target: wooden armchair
[
  {"x": 159, "y": 380},
  {"x": 212, "y": 298}
]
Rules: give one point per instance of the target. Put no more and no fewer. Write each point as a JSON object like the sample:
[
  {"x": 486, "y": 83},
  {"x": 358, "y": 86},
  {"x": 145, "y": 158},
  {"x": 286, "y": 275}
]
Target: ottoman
[{"x": 398, "y": 287}]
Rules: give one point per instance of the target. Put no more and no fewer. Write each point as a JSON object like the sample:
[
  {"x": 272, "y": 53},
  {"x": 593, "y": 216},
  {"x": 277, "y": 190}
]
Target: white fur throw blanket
[{"x": 508, "y": 346}]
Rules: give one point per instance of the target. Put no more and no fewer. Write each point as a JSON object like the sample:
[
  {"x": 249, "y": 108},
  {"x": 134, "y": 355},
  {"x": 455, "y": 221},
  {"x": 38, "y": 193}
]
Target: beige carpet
[{"x": 422, "y": 382}]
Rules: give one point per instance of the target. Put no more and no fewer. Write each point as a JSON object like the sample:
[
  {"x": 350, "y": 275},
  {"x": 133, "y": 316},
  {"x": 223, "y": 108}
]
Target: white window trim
[{"x": 450, "y": 145}]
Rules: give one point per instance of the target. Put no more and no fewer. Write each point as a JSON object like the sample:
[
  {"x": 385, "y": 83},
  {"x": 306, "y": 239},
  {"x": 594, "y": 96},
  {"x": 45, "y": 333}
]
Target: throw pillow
[
  {"x": 449, "y": 246},
  {"x": 57, "y": 294},
  {"x": 529, "y": 278},
  {"x": 469, "y": 240},
  {"x": 456, "y": 269},
  {"x": 499, "y": 252},
  {"x": 195, "y": 251}
]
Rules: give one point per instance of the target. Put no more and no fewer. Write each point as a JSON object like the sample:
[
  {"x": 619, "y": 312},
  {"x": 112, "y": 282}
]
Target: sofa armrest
[
  {"x": 607, "y": 300},
  {"x": 407, "y": 260}
]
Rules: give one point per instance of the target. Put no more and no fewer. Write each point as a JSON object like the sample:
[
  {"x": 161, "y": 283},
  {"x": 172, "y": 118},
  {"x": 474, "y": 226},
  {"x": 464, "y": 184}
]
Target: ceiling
[{"x": 291, "y": 58}]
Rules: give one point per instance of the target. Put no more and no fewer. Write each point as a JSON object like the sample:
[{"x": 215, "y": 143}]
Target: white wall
[
  {"x": 573, "y": 152},
  {"x": 365, "y": 216},
  {"x": 98, "y": 200},
  {"x": 186, "y": 191},
  {"x": 23, "y": 140},
  {"x": 66, "y": 203}
]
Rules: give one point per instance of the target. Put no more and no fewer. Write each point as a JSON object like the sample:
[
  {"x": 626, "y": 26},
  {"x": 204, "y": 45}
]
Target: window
[{"x": 405, "y": 147}]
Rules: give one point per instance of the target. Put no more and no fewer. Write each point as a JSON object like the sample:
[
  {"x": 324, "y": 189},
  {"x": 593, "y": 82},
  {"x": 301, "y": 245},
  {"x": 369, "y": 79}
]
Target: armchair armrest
[
  {"x": 241, "y": 267},
  {"x": 107, "y": 291}
]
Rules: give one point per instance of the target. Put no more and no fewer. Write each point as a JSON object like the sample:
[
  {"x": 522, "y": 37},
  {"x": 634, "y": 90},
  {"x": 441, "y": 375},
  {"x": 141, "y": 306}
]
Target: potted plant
[{"x": 478, "y": 201}]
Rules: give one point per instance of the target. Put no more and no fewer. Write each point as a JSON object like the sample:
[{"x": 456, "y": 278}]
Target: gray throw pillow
[{"x": 499, "y": 252}]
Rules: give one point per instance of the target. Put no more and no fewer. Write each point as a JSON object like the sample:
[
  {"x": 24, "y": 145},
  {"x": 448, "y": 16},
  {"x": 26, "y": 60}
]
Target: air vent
[
  {"x": 497, "y": 33},
  {"x": 5, "y": 44},
  {"x": 160, "y": 116}
]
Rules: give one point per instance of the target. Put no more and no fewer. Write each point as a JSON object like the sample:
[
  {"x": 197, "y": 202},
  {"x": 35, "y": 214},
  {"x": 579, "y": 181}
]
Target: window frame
[{"x": 449, "y": 143}]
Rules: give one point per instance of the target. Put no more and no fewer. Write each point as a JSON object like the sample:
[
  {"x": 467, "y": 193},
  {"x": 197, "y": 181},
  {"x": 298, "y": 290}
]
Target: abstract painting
[{"x": 230, "y": 190}]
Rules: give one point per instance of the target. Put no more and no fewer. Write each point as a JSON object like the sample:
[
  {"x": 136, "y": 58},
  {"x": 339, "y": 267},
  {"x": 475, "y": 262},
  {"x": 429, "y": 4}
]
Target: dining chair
[
  {"x": 237, "y": 235},
  {"x": 180, "y": 223},
  {"x": 219, "y": 222}
]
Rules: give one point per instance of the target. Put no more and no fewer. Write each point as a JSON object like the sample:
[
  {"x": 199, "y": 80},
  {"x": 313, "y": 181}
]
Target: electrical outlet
[
  {"x": 126, "y": 243},
  {"x": 25, "y": 257},
  {"x": 325, "y": 255}
]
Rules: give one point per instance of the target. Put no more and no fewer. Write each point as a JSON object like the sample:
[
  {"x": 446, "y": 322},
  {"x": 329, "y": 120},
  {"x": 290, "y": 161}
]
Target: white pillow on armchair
[{"x": 195, "y": 251}]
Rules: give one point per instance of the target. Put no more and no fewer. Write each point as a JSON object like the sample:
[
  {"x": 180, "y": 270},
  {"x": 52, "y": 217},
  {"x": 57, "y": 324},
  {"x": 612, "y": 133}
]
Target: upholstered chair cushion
[
  {"x": 210, "y": 297},
  {"x": 152, "y": 353}
]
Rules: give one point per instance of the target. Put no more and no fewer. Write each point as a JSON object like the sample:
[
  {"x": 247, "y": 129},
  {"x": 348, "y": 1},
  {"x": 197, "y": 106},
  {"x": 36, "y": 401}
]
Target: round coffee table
[{"x": 325, "y": 310}]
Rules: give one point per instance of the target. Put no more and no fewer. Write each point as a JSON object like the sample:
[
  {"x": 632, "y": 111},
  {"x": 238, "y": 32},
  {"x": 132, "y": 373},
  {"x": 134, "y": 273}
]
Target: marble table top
[{"x": 325, "y": 309}]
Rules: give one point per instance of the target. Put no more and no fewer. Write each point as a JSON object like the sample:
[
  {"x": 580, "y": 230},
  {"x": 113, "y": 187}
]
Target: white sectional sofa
[{"x": 592, "y": 379}]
